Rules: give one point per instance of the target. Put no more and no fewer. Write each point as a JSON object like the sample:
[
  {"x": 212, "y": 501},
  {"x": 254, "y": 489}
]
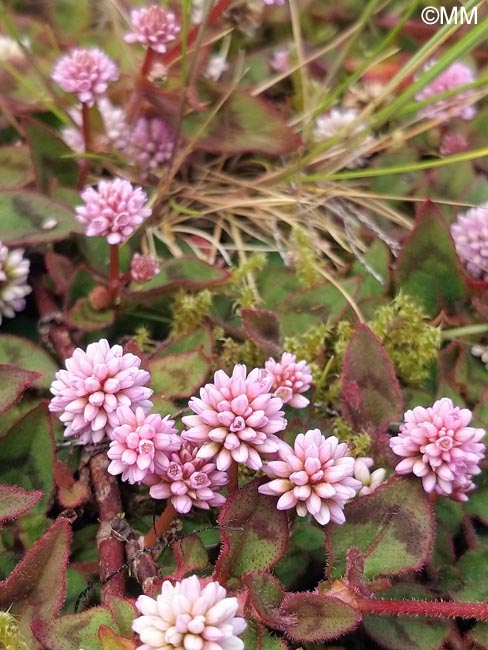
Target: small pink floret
[
  {"x": 139, "y": 443},
  {"x": 153, "y": 27},
  {"x": 316, "y": 476},
  {"x": 236, "y": 418},
  {"x": 113, "y": 211},
  {"x": 94, "y": 385},
  {"x": 189, "y": 616},
  {"x": 86, "y": 72},
  {"x": 459, "y": 105},
  {"x": 470, "y": 234},
  {"x": 187, "y": 480},
  {"x": 290, "y": 379},
  {"x": 143, "y": 267},
  {"x": 438, "y": 446}
]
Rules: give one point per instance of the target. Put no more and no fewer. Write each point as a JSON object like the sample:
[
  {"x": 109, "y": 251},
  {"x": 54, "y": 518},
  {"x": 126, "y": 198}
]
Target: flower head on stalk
[
  {"x": 114, "y": 210},
  {"x": 153, "y": 27},
  {"x": 187, "y": 480},
  {"x": 315, "y": 476},
  {"x": 291, "y": 378},
  {"x": 236, "y": 418},
  {"x": 94, "y": 385},
  {"x": 459, "y": 105},
  {"x": 85, "y": 72},
  {"x": 438, "y": 446},
  {"x": 189, "y": 616},
  {"x": 470, "y": 234}
]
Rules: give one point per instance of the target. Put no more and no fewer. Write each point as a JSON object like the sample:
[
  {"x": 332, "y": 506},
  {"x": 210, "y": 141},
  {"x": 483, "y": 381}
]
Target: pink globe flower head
[
  {"x": 154, "y": 27},
  {"x": 150, "y": 144},
  {"x": 290, "y": 379},
  {"x": 369, "y": 480},
  {"x": 438, "y": 446},
  {"x": 315, "y": 476},
  {"x": 455, "y": 76},
  {"x": 139, "y": 442},
  {"x": 236, "y": 418},
  {"x": 187, "y": 480},
  {"x": 86, "y": 72},
  {"x": 113, "y": 211},
  {"x": 14, "y": 270},
  {"x": 95, "y": 383},
  {"x": 143, "y": 267},
  {"x": 470, "y": 234},
  {"x": 189, "y": 616}
]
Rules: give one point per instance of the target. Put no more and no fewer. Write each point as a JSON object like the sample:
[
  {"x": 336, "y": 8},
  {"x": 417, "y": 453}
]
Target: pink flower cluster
[
  {"x": 290, "y": 379},
  {"x": 94, "y": 385},
  {"x": 438, "y": 446},
  {"x": 143, "y": 267},
  {"x": 455, "y": 76},
  {"x": 150, "y": 143},
  {"x": 113, "y": 211},
  {"x": 315, "y": 476},
  {"x": 189, "y": 616},
  {"x": 470, "y": 234},
  {"x": 236, "y": 418},
  {"x": 86, "y": 72},
  {"x": 153, "y": 27}
]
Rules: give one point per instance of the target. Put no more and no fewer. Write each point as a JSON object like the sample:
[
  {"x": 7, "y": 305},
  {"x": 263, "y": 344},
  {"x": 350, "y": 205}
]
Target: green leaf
[
  {"x": 190, "y": 555},
  {"x": 244, "y": 123},
  {"x": 15, "y": 167},
  {"x": 406, "y": 632},
  {"x": 123, "y": 613},
  {"x": 52, "y": 158},
  {"x": 256, "y": 637},
  {"x": 479, "y": 636},
  {"x": 265, "y": 596},
  {"x": 317, "y": 617},
  {"x": 20, "y": 352},
  {"x": 29, "y": 218},
  {"x": 263, "y": 536},
  {"x": 262, "y": 327},
  {"x": 200, "y": 339},
  {"x": 82, "y": 316},
  {"x": 428, "y": 267},
  {"x": 27, "y": 455},
  {"x": 14, "y": 382},
  {"x": 473, "y": 568},
  {"x": 393, "y": 528},
  {"x": 178, "y": 375},
  {"x": 74, "y": 631},
  {"x": 371, "y": 396},
  {"x": 36, "y": 587},
  {"x": 14, "y": 501}
]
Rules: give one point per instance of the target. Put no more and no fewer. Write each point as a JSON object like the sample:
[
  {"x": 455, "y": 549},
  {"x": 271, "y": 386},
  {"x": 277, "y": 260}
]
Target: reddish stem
[
  {"x": 233, "y": 474},
  {"x": 56, "y": 332},
  {"x": 114, "y": 271},
  {"x": 87, "y": 139},
  {"x": 161, "y": 525},
  {"x": 431, "y": 608},
  {"x": 148, "y": 62},
  {"x": 110, "y": 549}
]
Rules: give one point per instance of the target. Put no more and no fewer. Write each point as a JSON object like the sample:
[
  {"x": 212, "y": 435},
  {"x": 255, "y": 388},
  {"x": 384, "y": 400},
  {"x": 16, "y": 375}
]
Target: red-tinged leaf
[
  {"x": 244, "y": 123},
  {"x": 183, "y": 272},
  {"x": 113, "y": 641},
  {"x": 262, "y": 327},
  {"x": 265, "y": 596},
  {"x": 29, "y": 218},
  {"x": 190, "y": 555},
  {"x": 14, "y": 501},
  {"x": 73, "y": 631},
  {"x": 428, "y": 267},
  {"x": 393, "y": 528},
  {"x": 36, "y": 587},
  {"x": 60, "y": 270},
  {"x": 355, "y": 573},
  {"x": 257, "y": 637},
  {"x": 262, "y": 536},
  {"x": 178, "y": 375},
  {"x": 317, "y": 617},
  {"x": 23, "y": 353},
  {"x": 71, "y": 493},
  {"x": 82, "y": 316},
  {"x": 14, "y": 381},
  {"x": 371, "y": 393},
  {"x": 123, "y": 612},
  {"x": 15, "y": 167},
  {"x": 27, "y": 457}
]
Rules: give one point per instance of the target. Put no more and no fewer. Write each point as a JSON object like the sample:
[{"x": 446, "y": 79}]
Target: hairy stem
[
  {"x": 233, "y": 474},
  {"x": 161, "y": 525},
  {"x": 431, "y": 608},
  {"x": 110, "y": 549},
  {"x": 114, "y": 271},
  {"x": 87, "y": 139}
]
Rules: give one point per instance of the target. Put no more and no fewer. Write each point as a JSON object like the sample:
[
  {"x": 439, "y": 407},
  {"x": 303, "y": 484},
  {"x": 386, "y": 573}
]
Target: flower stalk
[
  {"x": 430, "y": 608},
  {"x": 161, "y": 525}
]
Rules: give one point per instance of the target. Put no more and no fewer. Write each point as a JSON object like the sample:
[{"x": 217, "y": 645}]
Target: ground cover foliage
[{"x": 298, "y": 191}]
